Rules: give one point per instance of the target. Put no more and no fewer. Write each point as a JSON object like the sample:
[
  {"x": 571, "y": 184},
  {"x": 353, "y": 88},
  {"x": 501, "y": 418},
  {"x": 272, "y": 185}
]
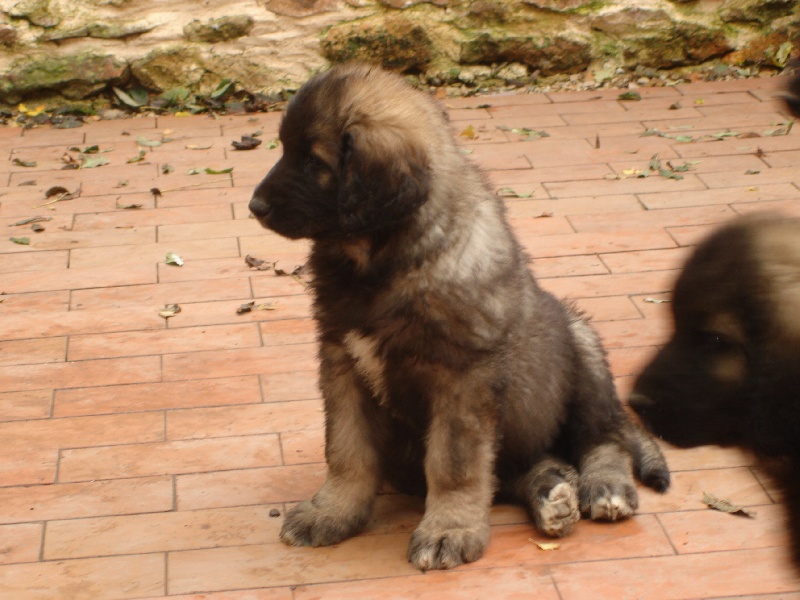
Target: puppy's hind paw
[
  {"x": 433, "y": 548},
  {"x": 558, "y": 512}
]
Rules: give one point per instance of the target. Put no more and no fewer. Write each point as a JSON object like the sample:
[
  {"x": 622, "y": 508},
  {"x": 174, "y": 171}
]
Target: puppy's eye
[
  {"x": 716, "y": 343},
  {"x": 314, "y": 165}
]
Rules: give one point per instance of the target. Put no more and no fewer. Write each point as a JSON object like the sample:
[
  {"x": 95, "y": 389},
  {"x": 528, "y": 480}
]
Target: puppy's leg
[
  {"x": 607, "y": 491},
  {"x": 344, "y": 503},
  {"x": 459, "y": 470},
  {"x": 550, "y": 492}
]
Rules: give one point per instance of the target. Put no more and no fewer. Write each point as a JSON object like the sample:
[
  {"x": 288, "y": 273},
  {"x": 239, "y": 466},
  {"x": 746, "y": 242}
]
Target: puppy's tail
[{"x": 648, "y": 461}]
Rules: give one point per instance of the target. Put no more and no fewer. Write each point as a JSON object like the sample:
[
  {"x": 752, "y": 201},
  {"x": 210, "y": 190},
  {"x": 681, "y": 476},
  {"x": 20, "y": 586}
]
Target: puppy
[
  {"x": 445, "y": 369},
  {"x": 730, "y": 374}
]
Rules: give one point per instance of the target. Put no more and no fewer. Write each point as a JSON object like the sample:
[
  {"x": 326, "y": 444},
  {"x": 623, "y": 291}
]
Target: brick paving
[{"x": 141, "y": 456}]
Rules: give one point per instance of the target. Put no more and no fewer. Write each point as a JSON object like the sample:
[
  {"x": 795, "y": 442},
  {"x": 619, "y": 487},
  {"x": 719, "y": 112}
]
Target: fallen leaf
[
  {"x": 258, "y": 264},
  {"x": 699, "y": 101},
  {"x": 271, "y": 145},
  {"x": 630, "y": 96},
  {"x": 22, "y": 241},
  {"x": 248, "y": 142},
  {"x": 174, "y": 259},
  {"x": 218, "y": 171},
  {"x": 24, "y": 163},
  {"x": 298, "y": 270},
  {"x": 752, "y": 172},
  {"x": 167, "y": 169},
  {"x": 245, "y": 308},
  {"x": 782, "y": 55},
  {"x": 546, "y": 546},
  {"x": 674, "y": 106},
  {"x": 655, "y": 163},
  {"x": 597, "y": 141},
  {"x": 90, "y": 162},
  {"x": 169, "y": 310},
  {"x": 544, "y": 215},
  {"x": 37, "y": 227},
  {"x": 31, "y": 220},
  {"x": 143, "y": 141},
  {"x": 469, "y": 132},
  {"x": 726, "y": 506},
  {"x": 508, "y": 192},
  {"x": 30, "y": 112},
  {"x": 669, "y": 174},
  {"x": 266, "y": 306},
  {"x": 657, "y": 300},
  {"x": 760, "y": 153},
  {"x": 156, "y": 192},
  {"x": 133, "y": 99},
  {"x": 196, "y": 147},
  {"x": 128, "y": 206},
  {"x": 140, "y": 158}
]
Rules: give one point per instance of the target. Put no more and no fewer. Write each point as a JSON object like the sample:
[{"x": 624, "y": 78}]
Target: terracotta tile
[
  {"x": 525, "y": 227},
  {"x": 730, "y": 573},
  {"x": 87, "y": 579},
  {"x": 229, "y": 363},
  {"x": 573, "y": 206},
  {"x": 597, "y": 242},
  {"x": 281, "y": 308},
  {"x": 277, "y": 564},
  {"x": 89, "y": 499},
  {"x": 31, "y": 351},
  {"x": 670, "y": 217},
  {"x": 613, "y": 284},
  {"x": 28, "y": 464},
  {"x": 121, "y": 218},
  {"x": 79, "y": 278},
  {"x": 21, "y": 543},
  {"x": 293, "y": 385},
  {"x": 178, "y": 339},
  {"x": 786, "y": 207},
  {"x": 737, "y": 484},
  {"x": 301, "y": 447},
  {"x": 254, "y": 419},
  {"x": 262, "y": 594},
  {"x": 645, "y": 260},
  {"x": 514, "y": 583},
  {"x": 612, "y": 94},
  {"x": 159, "y": 532},
  {"x": 690, "y": 235},
  {"x": 566, "y": 189},
  {"x": 198, "y": 197},
  {"x": 46, "y": 323},
  {"x": 208, "y": 230},
  {"x": 248, "y": 486},
  {"x": 742, "y": 178},
  {"x": 609, "y": 308},
  {"x": 81, "y": 373},
  {"x": 15, "y": 304},
  {"x": 191, "y": 456},
  {"x": 705, "y": 457},
  {"x": 156, "y": 396},
  {"x": 713, "y": 531},
  {"x": 632, "y": 333},
  {"x": 568, "y": 266},
  {"x": 598, "y": 107},
  {"x": 517, "y": 178},
  {"x": 761, "y": 193},
  {"x": 629, "y": 361},
  {"x": 48, "y": 260},
  {"x": 21, "y": 406},
  {"x": 150, "y": 254},
  {"x": 155, "y": 296}
]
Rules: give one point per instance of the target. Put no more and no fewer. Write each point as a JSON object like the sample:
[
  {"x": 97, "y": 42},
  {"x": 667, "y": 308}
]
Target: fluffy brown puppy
[
  {"x": 444, "y": 368},
  {"x": 730, "y": 374}
]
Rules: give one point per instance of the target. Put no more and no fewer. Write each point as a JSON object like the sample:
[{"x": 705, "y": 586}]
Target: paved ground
[{"x": 142, "y": 457}]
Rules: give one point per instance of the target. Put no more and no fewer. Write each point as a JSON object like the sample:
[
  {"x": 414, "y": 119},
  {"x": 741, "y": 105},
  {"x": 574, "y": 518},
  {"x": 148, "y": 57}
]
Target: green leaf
[
  {"x": 174, "y": 259},
  {"x": 634, "y": 96},
  {"x": 90, "y": 162},
  {"x": 143, "y": 141},
  {"x": 655, "y": 163},
  {"x": 140, "y": 158},
  {"x": 22, "y": 241},
  {"x": 669, "y": 174},
  {"x": 218, "y": 171},
  {"x": 271, "y": 145},
  {"x": 508, "y": 192},
  {"x": 175, "y": 96},
  {"x": 129, "y": 99},
  {"x": 225, "y": 86}
]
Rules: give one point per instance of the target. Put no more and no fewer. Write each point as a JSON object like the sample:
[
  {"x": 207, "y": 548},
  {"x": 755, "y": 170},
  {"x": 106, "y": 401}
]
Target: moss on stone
[
  {"x": 219, "y": 30},
  {"x": 37, "y": 12}
]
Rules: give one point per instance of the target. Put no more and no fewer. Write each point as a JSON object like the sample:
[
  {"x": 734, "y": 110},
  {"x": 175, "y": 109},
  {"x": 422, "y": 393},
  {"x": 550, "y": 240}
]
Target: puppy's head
[
  {"x": 355, "y": 162},
  {"x": 724, "y": 376}
]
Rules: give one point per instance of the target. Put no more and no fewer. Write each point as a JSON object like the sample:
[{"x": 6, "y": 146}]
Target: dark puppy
[
  {"x": 445, "y": 369},
  {"x": 730, "y": 374}
]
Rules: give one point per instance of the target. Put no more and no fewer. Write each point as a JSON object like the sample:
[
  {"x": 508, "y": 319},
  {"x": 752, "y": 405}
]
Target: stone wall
[{"x": 56, "y": 50}]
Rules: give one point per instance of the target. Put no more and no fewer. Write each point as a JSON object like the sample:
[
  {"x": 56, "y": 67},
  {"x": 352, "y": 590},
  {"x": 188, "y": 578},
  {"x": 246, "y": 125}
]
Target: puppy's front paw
[
  {"x": 434, "y": 547},
  {"x": 557, "y": 513},
  {"x": 608, "y": 501},
  {"x": 309, "y": 525}
]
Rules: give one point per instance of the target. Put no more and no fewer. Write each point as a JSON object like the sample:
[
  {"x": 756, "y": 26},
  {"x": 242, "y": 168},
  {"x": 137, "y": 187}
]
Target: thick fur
[
  {"x": 445, "y": 369},
  {"x": 730, "y": 374}
]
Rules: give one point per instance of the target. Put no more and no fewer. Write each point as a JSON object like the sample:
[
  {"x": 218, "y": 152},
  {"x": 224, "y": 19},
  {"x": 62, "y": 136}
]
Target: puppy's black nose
[{"x": 260, "y": 208}]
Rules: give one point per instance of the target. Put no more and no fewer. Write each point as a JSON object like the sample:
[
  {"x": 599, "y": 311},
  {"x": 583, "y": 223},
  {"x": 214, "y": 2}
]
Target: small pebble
[{"x": 274, "y": 513}]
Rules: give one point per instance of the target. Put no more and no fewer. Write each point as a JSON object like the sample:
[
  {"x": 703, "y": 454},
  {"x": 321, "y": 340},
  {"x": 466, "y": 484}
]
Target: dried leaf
[
  {"x": 22, "y": 241},
  {"x": 271, "y": 145},
  {"x": 782, "y": 55},
  {"x": 218, "y": 171},
  {"x": 266, "y": 306},
  {"x": 675, "y": 106},
  {"x": 143, "y": 141},
  {"x": 655, "y": 163},
  {"x": 30, "y": 112},
  {"x": 669, "y": 174},
  {"x": 630, "y": 96},
  {"x": 169, "y": 310},
  {"x": 134, "y": 99},
  {"x": 245, "y": 308},
  {"x": 248, "y": 143},
  {"x": 31, "y": 220},
  {"x": 174, "y": 259},
  {"x": 156, "y": 192},
  {"x": 167, "y": 169},
  {"x": 544, "y": 215},
  {"x": 546, "y": 546},
  {"x": 140, "y": 158},
  {"x": 752, "y": 172},
  {"x": 37, "y": 228},
  {"x": 508, "y": 192},
  {"x": 196, "y": 147},
  {"x": 469, "y": 132},
  {"x": 726, "y": 506},
  {"x": 597, "y": 141},
  {"x": 699, "y": 101},
  {"x": 128, "y": 206},
  {"x": 657, "y": 300},
  {"x": 298, "y": 270},
  {"x": 90, "y": 162},
  {"x": 23, "y": 163},
  {"x": 258, "y": 264}
]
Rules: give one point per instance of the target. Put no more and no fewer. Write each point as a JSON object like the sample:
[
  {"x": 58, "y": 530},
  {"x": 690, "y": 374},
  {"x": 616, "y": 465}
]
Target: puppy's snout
[
  {"x": 259, "y": 207},
  {"x": 640, "y": 403}
]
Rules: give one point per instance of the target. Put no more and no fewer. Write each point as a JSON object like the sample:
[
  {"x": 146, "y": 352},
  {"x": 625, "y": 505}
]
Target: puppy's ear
[{"x": 384, "y": 178}]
